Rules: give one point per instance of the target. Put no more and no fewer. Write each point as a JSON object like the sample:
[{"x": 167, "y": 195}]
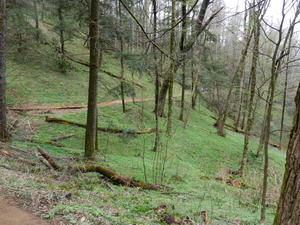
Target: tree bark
[
  {"x": 91, "y": 127},
  {"x": 239, "y": 70},
  {"x": 122, "y": 60},
  {"x": 182, "y": 40},
  {"x": 157, "y": 135},
  {"x": 199, "y": 27},
  {"x": 36, "y": 20},
  {"x": 251, "y": 111},
  {"x": 288, "y": 211},
  {"x": 172, "y": 71},
  {"x": 3, "y": 123}
]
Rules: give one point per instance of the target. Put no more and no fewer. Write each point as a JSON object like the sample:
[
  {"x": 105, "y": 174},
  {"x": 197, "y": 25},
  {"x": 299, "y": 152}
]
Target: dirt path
[
  {"x": 69, "y": 107},
  {"x": 11, "y": 214}
]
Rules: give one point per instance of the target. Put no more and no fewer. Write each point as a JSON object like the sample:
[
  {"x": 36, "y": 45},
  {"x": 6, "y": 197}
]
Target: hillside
[{"x": 194, "y": 161}]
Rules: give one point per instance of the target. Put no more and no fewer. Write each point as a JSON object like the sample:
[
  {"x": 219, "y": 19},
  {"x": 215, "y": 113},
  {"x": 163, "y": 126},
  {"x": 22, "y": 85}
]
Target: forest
[{"x": 144, "y": 112}]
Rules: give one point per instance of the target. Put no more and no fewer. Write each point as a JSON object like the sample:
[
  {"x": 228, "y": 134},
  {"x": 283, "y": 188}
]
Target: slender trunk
[
  {"x": 61, "y": 30},
  {"x": 36, "y": 20},
  {"x": 3, "y": 126},
  {"x": 240, "y": 100},
  {"x": 182, "y": 40},
  {"x": 288, "y": 210},
  {"x": 284, "y": 94},
  {"x": 239, "y": 70},
  {"x": 246, "y": 101},
  {"x": 172, "y": 71},
  {"x": 252, "y": 95},
  {"x": 242, "y": 77},
  {"x": 91, "y": 127},
  {"x": 199, "y": 27},
  {"x": 263, "y": 128},
  {"x": 122, "y": 60},
  {"x": 157, "y": 136},
  {"x": 266, "y": 146}
]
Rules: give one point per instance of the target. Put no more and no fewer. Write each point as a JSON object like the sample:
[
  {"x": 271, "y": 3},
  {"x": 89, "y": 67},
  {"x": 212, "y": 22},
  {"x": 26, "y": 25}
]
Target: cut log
[
  {"x": 62, "y": 137},
  {"x": 107, "y": 172},
  {"x": 103, "y": 129}
]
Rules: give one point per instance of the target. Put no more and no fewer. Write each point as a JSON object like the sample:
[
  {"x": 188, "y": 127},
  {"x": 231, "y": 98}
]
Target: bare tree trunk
[
  {"x": 288, "y": 210},
  {"x": 91, "y": 129},
  {"x": 278, "y": 55},
  {"x": 198, "y": 29},
  {"x": 182, "y": 40},
  {"x": 36, "y": 20},
  {"x": 157, "y": 135},
  {"x": 239, "y": 70},
  {"x": 263, "y": 128},
  {"x": 122, "y": 60},
  {"x": 61, "y": 30},
  {"x": 3, "y": 126},
  {"x": 172, "y": 71},
  {"x": 284, "y": 94},
  {"x": 252, "y": 94}
]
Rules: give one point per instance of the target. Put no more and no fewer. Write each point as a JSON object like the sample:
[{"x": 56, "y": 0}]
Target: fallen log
[
  {"x": 49, "y": 159},
  {"x": 47, "y": 107},
  {"x": 18, "y": 158},
  {"x": 107, "y": 172},
  {"x": 38, "y": 141},
  {"x": 62, "y": 137},
  {"x": 103, "y": 129}
]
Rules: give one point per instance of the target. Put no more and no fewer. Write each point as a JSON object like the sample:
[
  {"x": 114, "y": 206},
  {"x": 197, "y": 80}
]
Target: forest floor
[
  {"x": 12, "y": 214},
  {"x": 194, "y": 161}
]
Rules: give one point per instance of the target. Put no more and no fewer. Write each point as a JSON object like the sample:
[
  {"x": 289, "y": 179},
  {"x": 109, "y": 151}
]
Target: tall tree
[
  {"x": 288, "y": 211},
  {"x": 199, "y": 27},
  {"x": 3, "y": 126},
  {"x": 237, "y": 74},
  {"x": 278, "y": 55},
  {"x": 157, "y": 136},
  {"x": 172, "y": 70},
  {"x": 121, "y": 58},
  {"x": 91, "y": 128},
  {"x": 182, "y": 40},
  {"x": 250, "y": 119}
]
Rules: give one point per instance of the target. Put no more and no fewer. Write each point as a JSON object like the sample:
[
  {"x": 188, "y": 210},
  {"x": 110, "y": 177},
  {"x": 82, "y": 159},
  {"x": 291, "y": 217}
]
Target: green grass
[
  {"x": 189, "y": 160},
  {"x": 195, "y": 156}
]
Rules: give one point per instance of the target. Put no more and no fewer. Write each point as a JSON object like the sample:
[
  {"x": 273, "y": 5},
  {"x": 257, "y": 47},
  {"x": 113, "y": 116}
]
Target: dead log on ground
[
  {"x": 62, "y": 137},
  {"x": 107, "y": 172},
  {"x": 103, "y": 129},
  {"x": 49, "y": 159},
  {"x": 38, "y": 141},
  {"x": 18, "y": 158}
]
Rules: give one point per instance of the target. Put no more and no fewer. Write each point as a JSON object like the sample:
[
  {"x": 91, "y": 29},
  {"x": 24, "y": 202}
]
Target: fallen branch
[
  {"x": 103, "y": 129},
  {"x": 47, "y": 108},
  {"x": 49, "y": 159},
  {"x": 38, "y": 141},
  {"x": 107, "y": 172},
  {"x": 62, "y": 137},
  {"x": 14, "y": 156}
]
